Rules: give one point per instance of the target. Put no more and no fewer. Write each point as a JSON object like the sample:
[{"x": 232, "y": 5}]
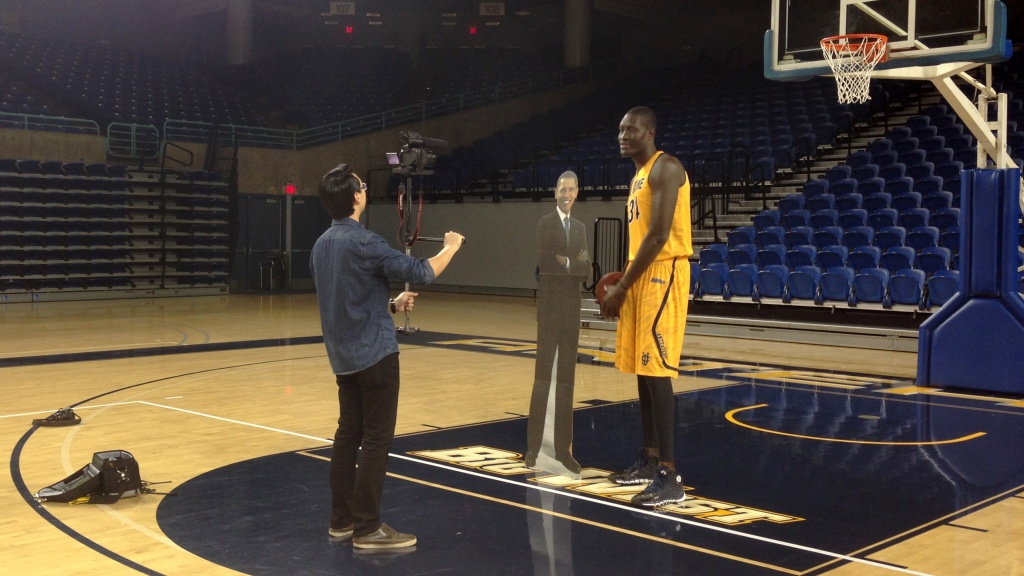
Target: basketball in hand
[{"x": 603, "y": 284}]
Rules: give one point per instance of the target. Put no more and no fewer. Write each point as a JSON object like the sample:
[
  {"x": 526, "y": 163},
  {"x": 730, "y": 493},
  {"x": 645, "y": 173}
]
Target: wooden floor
[{"x": 188, "y": 413}]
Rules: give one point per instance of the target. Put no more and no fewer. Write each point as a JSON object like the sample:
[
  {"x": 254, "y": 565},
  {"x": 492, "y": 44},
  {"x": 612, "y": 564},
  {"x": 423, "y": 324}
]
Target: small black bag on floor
[{"x": 110, "y": 476}]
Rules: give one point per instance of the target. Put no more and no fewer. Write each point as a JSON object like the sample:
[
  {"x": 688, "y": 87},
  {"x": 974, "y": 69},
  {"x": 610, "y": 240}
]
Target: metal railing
[
  {"x": 48, "y": 123},
  {"x": 133, "y": 141},
  {"x": 124, "y": 136}
]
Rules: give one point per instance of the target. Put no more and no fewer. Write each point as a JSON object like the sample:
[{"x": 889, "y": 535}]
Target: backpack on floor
[{"x": 110, "y": 476}]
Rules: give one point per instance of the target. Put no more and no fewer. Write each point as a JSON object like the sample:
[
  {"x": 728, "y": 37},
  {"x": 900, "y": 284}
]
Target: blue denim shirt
[{"x": 351, "y": 268}]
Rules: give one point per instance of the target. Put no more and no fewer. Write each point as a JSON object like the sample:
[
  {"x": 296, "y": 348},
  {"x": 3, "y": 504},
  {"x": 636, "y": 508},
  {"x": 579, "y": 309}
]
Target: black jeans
[{"x": 368, "y": 403}]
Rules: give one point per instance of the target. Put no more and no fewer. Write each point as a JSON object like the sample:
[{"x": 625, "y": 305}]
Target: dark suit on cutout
[{"x": 558, "y": 334}]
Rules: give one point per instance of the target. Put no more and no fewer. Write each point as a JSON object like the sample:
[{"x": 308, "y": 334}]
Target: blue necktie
[{"x": 565, "y": 222}]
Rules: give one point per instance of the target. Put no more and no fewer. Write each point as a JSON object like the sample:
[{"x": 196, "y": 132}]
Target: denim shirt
[{"x": 351, "y": 268}]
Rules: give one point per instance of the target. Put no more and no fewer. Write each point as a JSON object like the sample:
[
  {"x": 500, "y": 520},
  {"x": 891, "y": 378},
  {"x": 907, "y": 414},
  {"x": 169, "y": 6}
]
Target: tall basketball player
[{"x": 650, "y": 301}]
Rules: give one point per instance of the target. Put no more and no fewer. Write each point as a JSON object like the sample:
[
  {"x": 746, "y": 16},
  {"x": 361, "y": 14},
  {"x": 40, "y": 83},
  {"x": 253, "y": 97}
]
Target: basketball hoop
[{"x": 852, "y": 58}]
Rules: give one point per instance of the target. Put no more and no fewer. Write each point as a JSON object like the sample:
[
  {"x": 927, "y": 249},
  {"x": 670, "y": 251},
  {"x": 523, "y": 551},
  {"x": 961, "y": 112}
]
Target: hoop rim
[{"x": 838, "y": 43}]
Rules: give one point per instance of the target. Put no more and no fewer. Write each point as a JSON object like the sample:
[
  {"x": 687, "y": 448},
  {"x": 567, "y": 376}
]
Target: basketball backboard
[{"x": 921, "y": 33}]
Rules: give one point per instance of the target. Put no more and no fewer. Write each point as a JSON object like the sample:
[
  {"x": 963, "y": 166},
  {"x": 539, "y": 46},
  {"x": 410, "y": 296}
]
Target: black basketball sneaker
[
  {"x": 667, "y": 488},
  {"x": 641, "y": 472}
]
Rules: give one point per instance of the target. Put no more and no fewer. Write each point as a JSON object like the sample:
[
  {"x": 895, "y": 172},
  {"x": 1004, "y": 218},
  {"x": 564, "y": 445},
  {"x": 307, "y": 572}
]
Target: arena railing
[
  {"x": 262, "y": 137},
  {"x": 49, "y": 123}
]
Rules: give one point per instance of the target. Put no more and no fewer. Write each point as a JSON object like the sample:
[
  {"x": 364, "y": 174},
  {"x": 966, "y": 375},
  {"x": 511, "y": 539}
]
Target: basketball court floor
[{"x": 797, "y": 459}]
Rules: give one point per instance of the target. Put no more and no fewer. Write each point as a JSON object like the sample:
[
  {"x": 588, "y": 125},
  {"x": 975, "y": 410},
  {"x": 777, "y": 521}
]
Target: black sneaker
[
  {"x": 667, "y": 488},
  {"x": 641, "y": 472}
]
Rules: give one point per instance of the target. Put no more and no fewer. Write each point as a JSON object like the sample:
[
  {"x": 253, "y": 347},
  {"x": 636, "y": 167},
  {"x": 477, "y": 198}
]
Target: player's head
[
  {"x": 636, "y": 131},
  {"x": 566, "y": 190},
  {"x": 341, "y": 192}
]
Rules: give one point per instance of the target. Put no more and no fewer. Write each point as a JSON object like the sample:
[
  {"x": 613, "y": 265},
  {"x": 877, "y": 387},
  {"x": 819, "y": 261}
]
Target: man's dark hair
[
  {"x": 338, "y": 192},
  {"x": 646, "y": 115}
]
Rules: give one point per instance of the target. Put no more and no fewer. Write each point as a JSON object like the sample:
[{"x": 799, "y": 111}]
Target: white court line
[
  {"x": 571, "y": 495},
  {"x": 23, "y": 414}
]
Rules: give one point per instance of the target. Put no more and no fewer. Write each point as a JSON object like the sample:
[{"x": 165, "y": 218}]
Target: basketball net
[{"x": 852, "y": 58}]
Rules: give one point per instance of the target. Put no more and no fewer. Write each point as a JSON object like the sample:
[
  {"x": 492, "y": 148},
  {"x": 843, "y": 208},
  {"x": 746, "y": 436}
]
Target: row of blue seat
[
  {"x": 930, "y": 259},
  {"x": 838, "y": 284}
]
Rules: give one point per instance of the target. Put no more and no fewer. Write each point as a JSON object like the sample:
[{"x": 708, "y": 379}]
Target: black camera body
[{"x": 417, "y": 155}]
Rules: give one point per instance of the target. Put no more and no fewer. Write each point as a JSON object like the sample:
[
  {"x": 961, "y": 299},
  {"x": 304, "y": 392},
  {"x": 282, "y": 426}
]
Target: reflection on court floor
[{"x": 787, "y": 471}]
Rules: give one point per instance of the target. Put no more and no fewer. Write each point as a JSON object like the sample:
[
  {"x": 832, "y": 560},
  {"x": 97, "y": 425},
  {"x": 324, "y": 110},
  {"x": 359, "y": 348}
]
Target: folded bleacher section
[{"x": 74, "y": 230}]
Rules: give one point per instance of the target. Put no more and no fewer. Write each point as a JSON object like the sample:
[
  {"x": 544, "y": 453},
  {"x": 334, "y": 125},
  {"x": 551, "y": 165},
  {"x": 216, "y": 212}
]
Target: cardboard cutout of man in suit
[{"x": 564, "y": 265}]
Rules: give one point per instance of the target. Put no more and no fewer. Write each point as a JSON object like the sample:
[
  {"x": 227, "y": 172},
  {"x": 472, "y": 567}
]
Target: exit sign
[{"x": 492, "y": 8}]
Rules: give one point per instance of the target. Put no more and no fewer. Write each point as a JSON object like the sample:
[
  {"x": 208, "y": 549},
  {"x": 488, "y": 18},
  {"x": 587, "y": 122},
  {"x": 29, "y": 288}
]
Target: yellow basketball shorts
[{"x": 649, "y": 339}]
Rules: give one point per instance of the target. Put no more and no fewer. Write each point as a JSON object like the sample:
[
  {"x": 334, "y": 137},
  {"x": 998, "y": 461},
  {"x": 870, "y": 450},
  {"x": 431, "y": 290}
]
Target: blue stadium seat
[
  {"x": 870, "y": 285},
  {"x": 929, "y": 185},
  {"x": 889, "y": 236},
  {"x": 770, "y": 235},
  {"x": 798, "y": 217},
  {"x": 892, "y": 171},
  {"x": 864, "y": 257},
  {"x": 792, "y": 202},
  {"x": 858, "y": 159},
  {"x": 824, "y": 217},
  {"x": 815, "y": 188},
  {"x": 897, "y": 258},
  {"x": 828, "y": 236},
  {"x": 821, "y": 202},
  {"x": 907, "y": 287},
  {"x": 741, "y": 235},
  {"x": 870, "y": 187},
  {"x": 922, "y": 237},
  {"x": 771, "y": 255},
  {"x": 802, "y": 283},
  {"x": 851, "y": 201},
  {"x": 831, "y": 257},
  {"x": 950, "y": 238},
  {"x": 846, "y": 186},
  {"x": 771, "y": 281},
  {"x": 898, "y": 186},
  {"x": 941, "y": 287},
  {"x": 714, "y": 253},
  {"x": 944, "y": 218},
  {"x": 712, "y": 280},
  {"x": 937, "y": 201},
  {"x": 853, "y": 217},
  {"x": 834, "y": 174},
  {"x": 913, "y": 217},
  {"x": 766, "y": 218},
  {"x": 934, "y": 259},
  {"x": 905, "y": 201},
  {"x": 741, "y": 280},
  {"x": 858, "y": 236},
  {"x": 802, "y": 255},
  {"x": 798, "y": 236},
  {"x": 877, "y": 201},
  {"x": 836, "y": 284},
  {"x": 741, "y": 254}
]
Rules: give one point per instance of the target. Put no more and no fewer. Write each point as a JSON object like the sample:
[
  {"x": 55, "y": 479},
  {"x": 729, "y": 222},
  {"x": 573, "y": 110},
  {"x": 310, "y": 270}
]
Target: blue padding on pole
[
  {"x": 985, "y": 232},
  {"x": 976, "y": 340}
]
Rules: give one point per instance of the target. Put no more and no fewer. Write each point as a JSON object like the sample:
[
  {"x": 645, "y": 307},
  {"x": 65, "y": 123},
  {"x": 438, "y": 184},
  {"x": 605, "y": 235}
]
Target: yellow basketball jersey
[{"x": 638, "y": 210}]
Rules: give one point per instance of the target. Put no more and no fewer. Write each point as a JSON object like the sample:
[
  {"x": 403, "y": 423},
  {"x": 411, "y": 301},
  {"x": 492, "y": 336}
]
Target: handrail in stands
[
  {"x": 141, "y": 141},
  {"x": 49, "y": 123}
]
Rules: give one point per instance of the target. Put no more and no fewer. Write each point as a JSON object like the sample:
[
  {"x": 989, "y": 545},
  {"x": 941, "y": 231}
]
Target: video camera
[{"x": 416, "y": 156}]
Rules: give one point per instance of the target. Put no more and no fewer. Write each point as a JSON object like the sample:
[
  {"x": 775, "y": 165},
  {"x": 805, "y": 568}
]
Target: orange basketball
[{"x": 603, "y": 284}]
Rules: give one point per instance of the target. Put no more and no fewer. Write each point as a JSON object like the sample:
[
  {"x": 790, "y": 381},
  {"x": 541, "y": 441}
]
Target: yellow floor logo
[{"x": 594, "y": 483}]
